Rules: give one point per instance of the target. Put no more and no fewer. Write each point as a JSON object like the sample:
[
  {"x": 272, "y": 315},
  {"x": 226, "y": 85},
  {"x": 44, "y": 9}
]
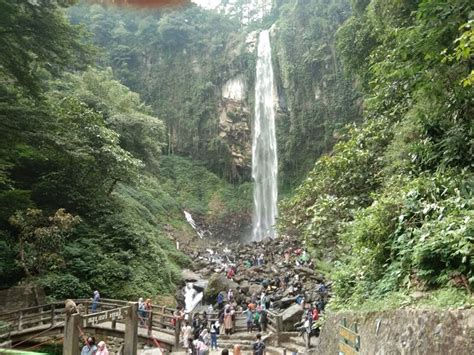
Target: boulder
[
  {"x": 290, "y": 316},
  {"x": 244, "y": 286},
  {"x": 255, "y": 288},
  {"x": 284, "y": 302},
  {"x": 240, "y": 277},
  {"x": 189, "y": 276},
  {"x": 304, "y": 270},
  {"x": 199, "y": 264},
  {"x": 217, "y": 283},
  {"x": 206, "y": 272}
]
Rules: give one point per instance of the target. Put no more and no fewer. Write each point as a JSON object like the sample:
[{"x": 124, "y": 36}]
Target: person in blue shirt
[
  {"x": 220, "y": 300},
  {"x": 95, "y": 301},
  {"x": 89, "y": 348},
  {"x": 249, "y": 318}
]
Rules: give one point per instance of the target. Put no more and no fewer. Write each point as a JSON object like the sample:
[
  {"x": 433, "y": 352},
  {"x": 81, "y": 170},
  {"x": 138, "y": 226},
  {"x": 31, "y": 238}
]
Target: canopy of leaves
[
  {"x": 178, "y": 61},
  {"x": 392, "y": 205},
  {"x": 36, "y": 38},
  {"x": 317, "y": 97},
  {"x": 77, "y": 146}
]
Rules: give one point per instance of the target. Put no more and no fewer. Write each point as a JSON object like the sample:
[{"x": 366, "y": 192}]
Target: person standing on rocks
[
  {"x": 186, "y": 334},
  {"x": 220, "y": 300},
  {"x": 230, "y": 296},
  {"x": 264, "y": 320},
  {"x": 259, "y": 346},
  {"x": 230, "y": 273},
  {"x": 228, "y": 324},
  {"x": 249, "y": 318},
  {"x": 260, "y": 260},
  {"x": 214, "y": 333},
  {"x": 95, "y": 301}
]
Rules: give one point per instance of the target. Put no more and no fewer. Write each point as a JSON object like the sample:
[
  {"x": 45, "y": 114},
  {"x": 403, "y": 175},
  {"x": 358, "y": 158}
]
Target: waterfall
[
  {"x": 192, "y": 223},
  {"x": 191, "y": 297},
  {"x": 264, "y": 150}
]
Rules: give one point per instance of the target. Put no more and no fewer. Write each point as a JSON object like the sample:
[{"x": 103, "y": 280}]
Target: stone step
[{"x": 298, "y": 340}]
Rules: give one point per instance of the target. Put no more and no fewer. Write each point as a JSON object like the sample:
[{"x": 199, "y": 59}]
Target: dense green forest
[
  {"x": 391, "y": 208},
  {"x": 88, "y": 200},
  {"x": 115, "y": 120},
  {"x": 177, "y": 60}
]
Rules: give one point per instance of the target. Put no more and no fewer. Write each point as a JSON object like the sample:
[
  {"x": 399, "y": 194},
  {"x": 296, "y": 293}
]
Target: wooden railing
[
  {"x": 159, "y": 319},
  {"x": 4, "y": 334},
  {"x": 46, "y": 317}
]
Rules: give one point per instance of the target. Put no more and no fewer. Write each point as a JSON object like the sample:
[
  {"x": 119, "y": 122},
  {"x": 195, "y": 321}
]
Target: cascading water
[
  {"x": 264, "y": 149},
  {"x": 191, "y": 297}
]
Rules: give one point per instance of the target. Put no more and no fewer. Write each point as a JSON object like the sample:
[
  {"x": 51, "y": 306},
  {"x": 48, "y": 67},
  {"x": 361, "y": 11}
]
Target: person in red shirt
[{"x": 315, "y": 313}]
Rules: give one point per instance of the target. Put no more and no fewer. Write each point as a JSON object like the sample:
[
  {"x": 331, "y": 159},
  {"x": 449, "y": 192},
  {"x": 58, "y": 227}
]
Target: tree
[
  {"x": 41, "y": 240},
  {"x": 36, "y": 38}
]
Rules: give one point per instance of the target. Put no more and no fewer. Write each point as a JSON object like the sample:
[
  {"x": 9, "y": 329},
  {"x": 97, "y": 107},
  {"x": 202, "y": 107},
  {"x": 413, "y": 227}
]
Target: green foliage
[
  {"x": 64, "y": 286},
  {"x": 9, "y": 268},
  {"x": 337, "y": 186},
  {"x": 178, "y": 61},
  {"x": 202, "y": 192},
  {"x": 391, "y": 207},
  {"x": 79, "y": 145},
  {"x": 317, "y": 94},
  {"x": 140, "y": 133},
  {"x": 41, "y": 239},
  {"x": 36, "y": 38}
]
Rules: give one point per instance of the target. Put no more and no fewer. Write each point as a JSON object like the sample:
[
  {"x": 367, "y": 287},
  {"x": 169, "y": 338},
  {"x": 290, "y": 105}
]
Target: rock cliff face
[
  {"x": 234, "y": 123},
  {"x": 404, "y": 331}
]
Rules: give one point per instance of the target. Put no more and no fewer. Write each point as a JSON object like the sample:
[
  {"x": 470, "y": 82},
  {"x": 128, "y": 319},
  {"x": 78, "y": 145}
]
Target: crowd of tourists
[{"x": 200, "y": 332}]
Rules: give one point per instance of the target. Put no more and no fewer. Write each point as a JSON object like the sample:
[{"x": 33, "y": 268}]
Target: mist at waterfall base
[
  {"x": 193, "y": 290},
  {"x": 264, "y": 149}
]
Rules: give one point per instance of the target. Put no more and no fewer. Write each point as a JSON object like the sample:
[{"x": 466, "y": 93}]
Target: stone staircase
[{"x": 291, "y": 343}]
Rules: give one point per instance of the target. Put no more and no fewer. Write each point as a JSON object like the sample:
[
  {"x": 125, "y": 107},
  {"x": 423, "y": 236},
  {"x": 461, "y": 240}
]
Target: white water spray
[
  {"x": 264, "y": 149},
  {"x": 191, "y": 221},
  {"x": 191, "y": 297}
]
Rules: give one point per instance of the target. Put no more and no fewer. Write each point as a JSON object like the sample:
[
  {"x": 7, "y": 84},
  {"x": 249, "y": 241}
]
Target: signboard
[
  {"x": 349, "y": 342},
  {"x": 106, "y": 316}
]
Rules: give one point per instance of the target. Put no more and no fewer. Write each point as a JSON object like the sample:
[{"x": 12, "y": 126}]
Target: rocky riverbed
[{"x": 280, "y": 268}]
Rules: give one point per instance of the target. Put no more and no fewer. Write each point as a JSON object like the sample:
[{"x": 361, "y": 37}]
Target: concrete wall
[{"x": 405, "y": 331}]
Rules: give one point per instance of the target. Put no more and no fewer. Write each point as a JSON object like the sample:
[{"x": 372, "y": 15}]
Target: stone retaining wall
[
  {"x": 21, "y": 296},
  {"x": 404, "y": 332}
]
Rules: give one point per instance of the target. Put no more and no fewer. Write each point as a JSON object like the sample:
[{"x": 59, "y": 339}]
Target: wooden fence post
[
  {"x": 131, "y": 330},
  {"x": 53, "y": 316},
  {"x": 71, "y": 335},
  {"x": 177, "y": 331},
  {"x": 279, "y": 327},
  {"x": 40, "y": 311},
  {"x": 20, "y": 321},
  {"x": 150, "y": 323}
]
